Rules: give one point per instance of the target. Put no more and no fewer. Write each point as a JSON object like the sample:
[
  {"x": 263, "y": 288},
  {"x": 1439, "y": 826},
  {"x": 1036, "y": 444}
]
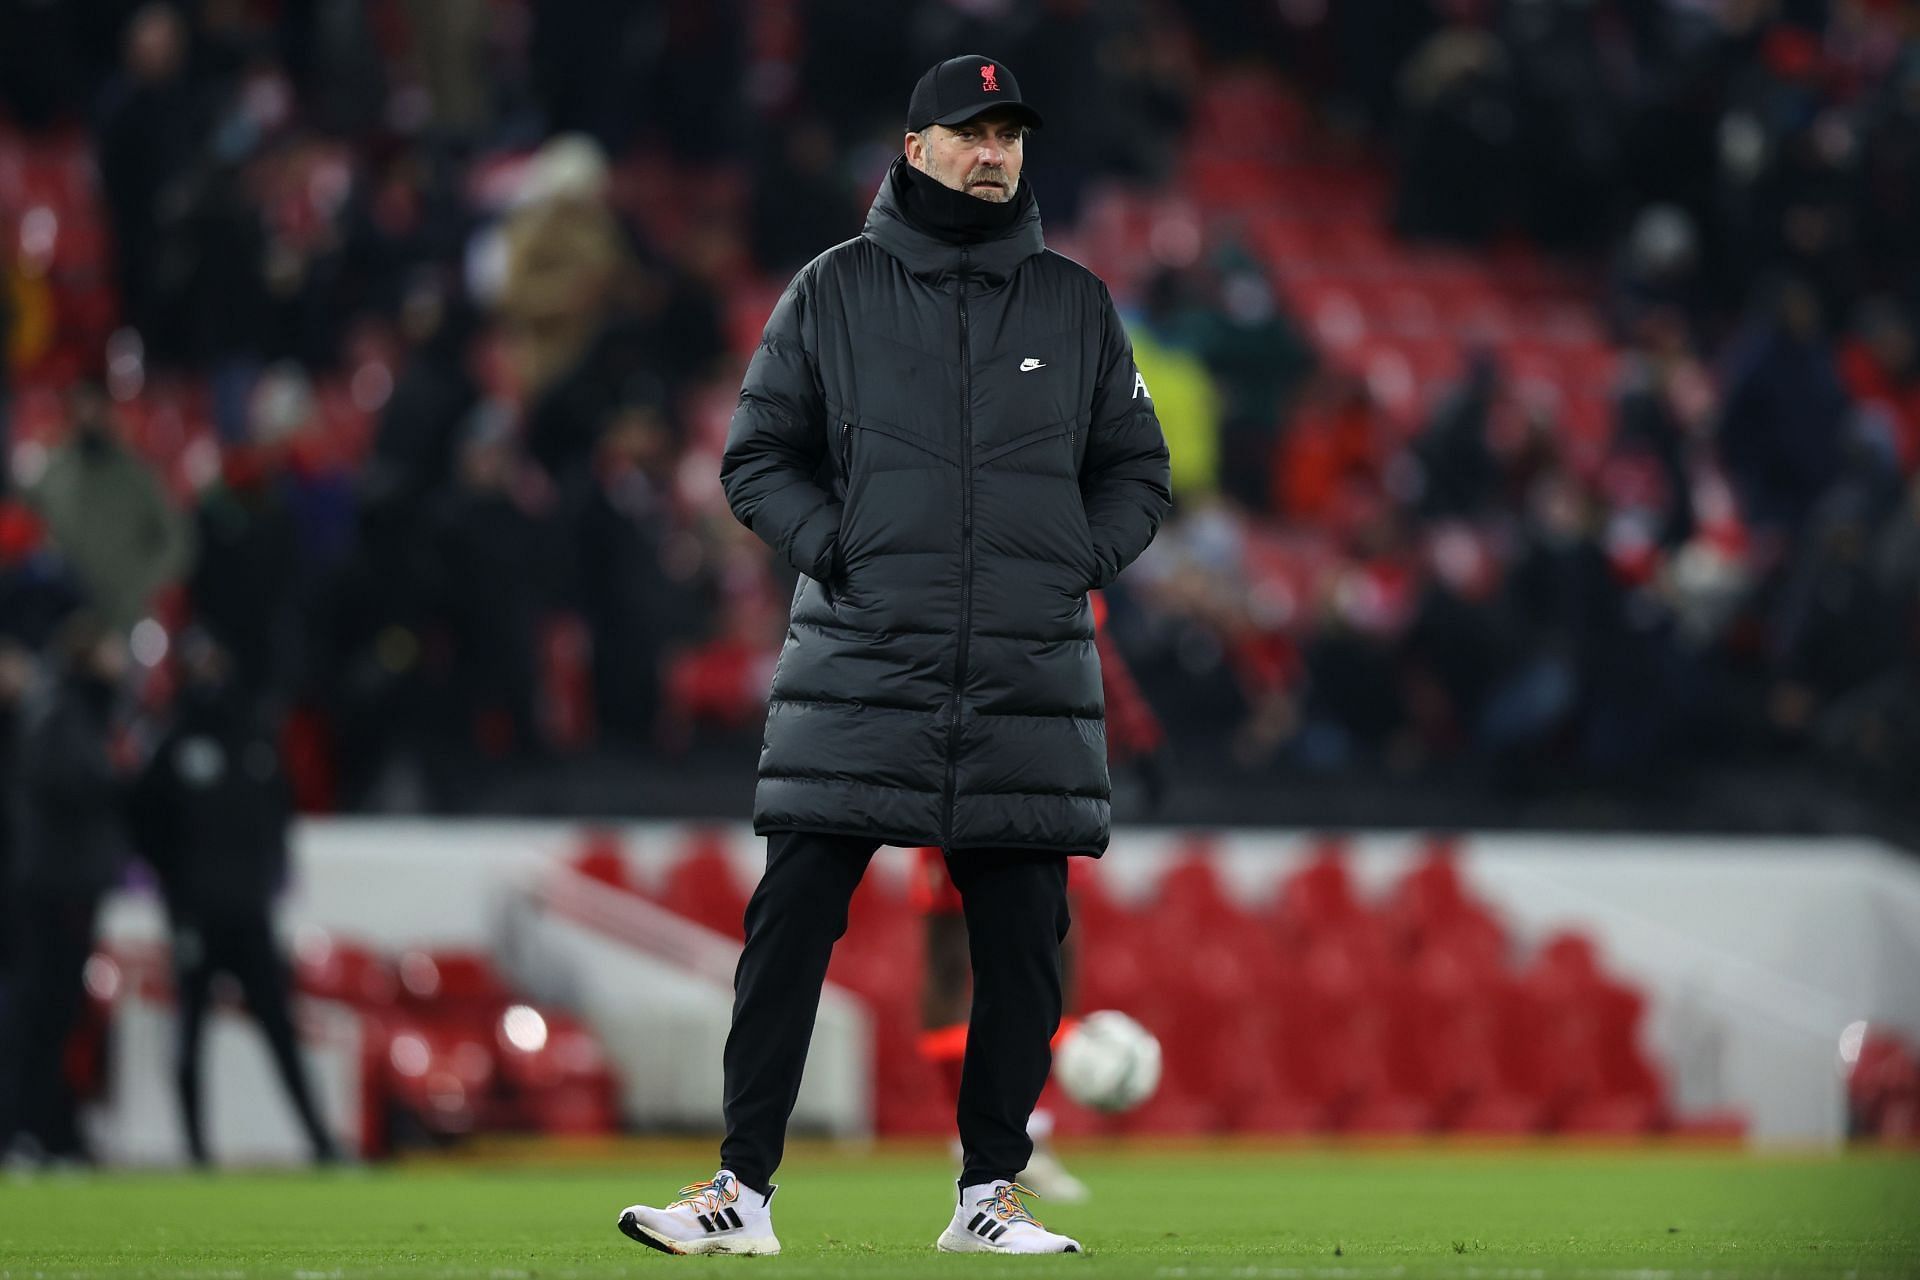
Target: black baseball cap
[{"x": 961, "y": 88}]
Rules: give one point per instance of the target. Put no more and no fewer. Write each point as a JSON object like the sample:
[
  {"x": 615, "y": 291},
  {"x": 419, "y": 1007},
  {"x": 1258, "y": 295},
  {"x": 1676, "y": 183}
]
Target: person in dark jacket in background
[
  {"x": 210, "y": 813},
  {"x": 943, "y": 431},
  {"x": 16, "y": 677},
  {"x": 68, "y": 810}
]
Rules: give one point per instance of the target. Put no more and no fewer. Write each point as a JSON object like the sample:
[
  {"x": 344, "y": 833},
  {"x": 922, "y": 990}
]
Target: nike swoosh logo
[{"x": 1030, "y": 364}]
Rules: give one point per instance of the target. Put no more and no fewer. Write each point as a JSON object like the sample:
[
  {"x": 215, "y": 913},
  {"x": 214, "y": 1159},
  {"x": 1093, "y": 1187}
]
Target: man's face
[{"x": 981, "y": 156}]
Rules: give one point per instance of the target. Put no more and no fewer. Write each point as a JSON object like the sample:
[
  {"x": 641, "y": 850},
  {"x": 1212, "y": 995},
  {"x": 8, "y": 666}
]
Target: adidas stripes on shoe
[
  {"x": 992, "y": 1218},
  {"x": 716, "y": 1216}
]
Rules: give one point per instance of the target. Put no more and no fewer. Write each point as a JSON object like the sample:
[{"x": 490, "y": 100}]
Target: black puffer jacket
[
  {"x": 69, "y": 808},
  {"x": 211, "y": 811},
  {"x": 953, "y": 447}
]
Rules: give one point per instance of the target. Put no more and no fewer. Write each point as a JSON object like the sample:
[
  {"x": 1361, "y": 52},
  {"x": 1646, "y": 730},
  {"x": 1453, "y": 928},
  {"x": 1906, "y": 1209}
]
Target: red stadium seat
[
  {"x": 461, "y": 984},
  {"x": 701, "y": 885},
  {"x": 1618, "y": 1114},
  {"x": 331, "y": 968},
  {"x": 1496, "y": 1113},
  {"x": 1387, "y": 1114},
  {"x": 556, "y": 1072},
  {"x": 602, "y": 857}
]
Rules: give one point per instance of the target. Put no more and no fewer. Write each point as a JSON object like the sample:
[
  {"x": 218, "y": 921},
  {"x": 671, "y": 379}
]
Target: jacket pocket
[
  {"x": 1089, "y": 565},
  {"x": 852, "y": 488}
]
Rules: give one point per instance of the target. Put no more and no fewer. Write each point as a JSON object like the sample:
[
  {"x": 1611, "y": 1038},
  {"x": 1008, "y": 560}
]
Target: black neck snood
[{"x": 954, "y": 216}]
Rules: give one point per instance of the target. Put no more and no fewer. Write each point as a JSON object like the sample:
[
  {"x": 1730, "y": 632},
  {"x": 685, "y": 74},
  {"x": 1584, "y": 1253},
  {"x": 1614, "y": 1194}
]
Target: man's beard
[{"x": 994, "y": 195}]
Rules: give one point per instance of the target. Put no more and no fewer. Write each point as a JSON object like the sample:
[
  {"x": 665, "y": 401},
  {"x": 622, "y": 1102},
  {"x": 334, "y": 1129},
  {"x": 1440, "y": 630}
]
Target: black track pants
[
  {"x": 241, "y": 945},
  {"x": 1016, "y": 909}
]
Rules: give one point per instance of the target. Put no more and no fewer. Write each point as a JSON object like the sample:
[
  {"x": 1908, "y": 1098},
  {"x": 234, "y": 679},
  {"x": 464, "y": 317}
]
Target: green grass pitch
[{"x": 1231, "y": 1214}]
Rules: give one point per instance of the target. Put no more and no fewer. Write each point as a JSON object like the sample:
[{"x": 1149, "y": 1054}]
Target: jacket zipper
[{"x": 966, "y": 554}]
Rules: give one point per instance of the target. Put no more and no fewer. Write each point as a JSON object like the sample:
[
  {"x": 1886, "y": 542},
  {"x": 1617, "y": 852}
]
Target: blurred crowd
[
  {"x": 1734, "y": 572},
  {"x": 426, "y": 320}
]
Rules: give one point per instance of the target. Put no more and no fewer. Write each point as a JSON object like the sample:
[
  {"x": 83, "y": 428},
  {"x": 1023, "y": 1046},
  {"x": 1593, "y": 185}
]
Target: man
[
  {"x": 108, "y": 515},
  {"x": 943, "y": 432},
  {"x": 67, "y": 806},
  {"x": 210, "y": 812}
]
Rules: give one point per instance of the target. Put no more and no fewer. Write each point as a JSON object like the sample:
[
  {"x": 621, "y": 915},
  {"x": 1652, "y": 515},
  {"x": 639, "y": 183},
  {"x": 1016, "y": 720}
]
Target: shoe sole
[
  {"x": 631, "y": 1228},
  {"x": 952, "y": 1241}
]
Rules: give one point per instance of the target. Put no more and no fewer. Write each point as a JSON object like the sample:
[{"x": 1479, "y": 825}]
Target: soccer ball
[{"x": 1109, "y": 1062}]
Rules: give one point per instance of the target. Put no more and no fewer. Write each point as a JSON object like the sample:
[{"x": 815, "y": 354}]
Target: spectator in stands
[
  {"x": 288, "y": 430},
  {"x": 449, "y": 55},
  {"x": 212, "y": 291},
  {"x": 593, "y": 323},
  {"x": 1658, "y": 269},
  {"x": 1260, "y": 362},
  {"x": 16, "y": 678},
  {"x": 393, "y": 244},
  {"x": 1881, "y": 366},
  {"x": 1781, "y": 425},
  {"x": 210, "y": 813},
  {"x": 69, "y": 802},
  {"x": 1472, "y": 681},
  {"x": 1664, "y": 409},
  {"x": 618, "y": 520},
  {"x": 1875, "y": 728},
  {"x": 1565, "y": 121},
  {"x": 1183, "y": 389},
  {"x": 1890, "y": 157},
  {"x": 1457, "y": 159},
  {"x": 151, "y": 130},
  {"x": 1355, "y": 713},
  {"x": 582, "y": 70},
  {"x": 689, "y": 96},
  {"x": 801, "y": 199},
  {"x": 367, "y": 635},
  {"x": 853, "y": 33},
  {"x": 246, "y": 589},
  {"x": 36, "y": 589},
  {"x": 1828, "y": 636},
  {"x": 333, "y": 50},
  {"x": 1332, "y": 447},
  {"x": 1458, "y": 475},
  {"x": 489, "y": 550},
  {"x": 108, "y": 516},
  {"x": 569, "y": 270},
  {"x": 433, "y": 397}
]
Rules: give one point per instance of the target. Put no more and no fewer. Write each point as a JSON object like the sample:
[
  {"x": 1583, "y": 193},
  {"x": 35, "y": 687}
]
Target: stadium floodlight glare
[
  {"x": 1851, "y": 1040},
  {"x": 525, "y": 1029},
  {"x": 409, "y": 1055}
]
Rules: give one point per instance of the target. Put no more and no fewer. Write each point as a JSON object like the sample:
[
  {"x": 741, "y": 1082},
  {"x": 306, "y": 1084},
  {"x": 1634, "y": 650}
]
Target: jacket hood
[{"x": 928, "y": 256}]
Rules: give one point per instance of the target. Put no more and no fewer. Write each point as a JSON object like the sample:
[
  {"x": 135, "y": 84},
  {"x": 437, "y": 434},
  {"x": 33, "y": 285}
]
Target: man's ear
[{"x": 915, "y": 149}]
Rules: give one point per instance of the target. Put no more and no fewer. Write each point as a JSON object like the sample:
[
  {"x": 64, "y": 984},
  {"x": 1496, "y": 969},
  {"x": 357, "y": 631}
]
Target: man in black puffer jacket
[
  {"x": 943, "y": 431},
  {"x": 68, "y": 805}
]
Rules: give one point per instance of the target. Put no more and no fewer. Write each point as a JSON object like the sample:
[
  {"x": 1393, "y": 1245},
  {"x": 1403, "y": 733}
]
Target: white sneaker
[
  {"x": 1050, "y": 1179},
  {"x": 990, "y": 1218},
  {"x": 720, "y": 1216}
]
